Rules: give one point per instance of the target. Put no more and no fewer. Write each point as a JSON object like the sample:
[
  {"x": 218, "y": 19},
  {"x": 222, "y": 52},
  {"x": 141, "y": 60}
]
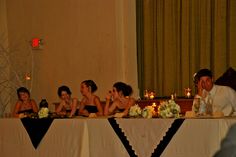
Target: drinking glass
[{"x": 196, "y": 105}]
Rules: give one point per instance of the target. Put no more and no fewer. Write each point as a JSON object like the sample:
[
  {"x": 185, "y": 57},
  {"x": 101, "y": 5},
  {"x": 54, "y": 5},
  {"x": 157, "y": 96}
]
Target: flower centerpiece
[
  {"x": 168, "y": 109},
  {"x": 43, "y": 112},
  {"x": 135, "y": 111},
  {"x": 148, "y": 112}
]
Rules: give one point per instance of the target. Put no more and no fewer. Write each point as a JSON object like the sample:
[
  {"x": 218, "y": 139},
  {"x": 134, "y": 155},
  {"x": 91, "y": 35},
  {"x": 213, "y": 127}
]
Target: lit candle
[
  {"x": 188, "y": 94},
  {"x": 151, "y": 96},
  {"x": 154, "y": 104},
  {"x": 155, "y": 109}
]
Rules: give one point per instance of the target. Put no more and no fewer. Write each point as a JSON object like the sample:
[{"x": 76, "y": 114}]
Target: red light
[{"x": 35, "y": 42}]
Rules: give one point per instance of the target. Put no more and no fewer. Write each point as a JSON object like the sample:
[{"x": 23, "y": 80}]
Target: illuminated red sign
[{"x": 35, "y": 43}]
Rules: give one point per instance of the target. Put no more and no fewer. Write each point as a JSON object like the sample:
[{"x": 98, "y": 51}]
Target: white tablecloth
[{"x": 96, "y": 138}]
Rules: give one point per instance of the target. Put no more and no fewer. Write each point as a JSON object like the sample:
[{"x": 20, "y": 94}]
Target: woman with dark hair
[
  {"x": 90, "y": 102},
  {"x": 68, "y": 105},
  {"x": 122, "y": 101},
  {"x": 25, "y": 105}
]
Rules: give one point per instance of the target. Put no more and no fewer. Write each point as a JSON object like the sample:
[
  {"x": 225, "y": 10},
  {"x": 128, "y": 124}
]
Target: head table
[{"x": 95, "y": 137}]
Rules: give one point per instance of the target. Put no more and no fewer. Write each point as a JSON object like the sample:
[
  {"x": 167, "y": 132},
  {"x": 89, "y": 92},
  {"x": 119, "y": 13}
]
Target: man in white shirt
[{"x": 220, "y": 98}]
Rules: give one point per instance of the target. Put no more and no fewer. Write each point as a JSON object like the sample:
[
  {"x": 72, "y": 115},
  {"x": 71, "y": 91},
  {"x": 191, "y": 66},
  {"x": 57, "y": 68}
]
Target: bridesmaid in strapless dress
[
  {"x": 25, "y": 105},
  {"x": 90, "y": 102},
  {"x": 122, "y": 101},
  {"x": 68, "y": 105}
]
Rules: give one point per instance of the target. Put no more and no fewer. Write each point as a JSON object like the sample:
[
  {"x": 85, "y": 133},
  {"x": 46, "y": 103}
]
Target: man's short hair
[{"x": 203, "y": 72}]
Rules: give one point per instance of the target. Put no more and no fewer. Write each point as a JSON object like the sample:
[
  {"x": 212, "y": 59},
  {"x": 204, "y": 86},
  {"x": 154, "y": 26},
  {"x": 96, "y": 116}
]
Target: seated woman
[
  {"x": 90, "y": 102},
  {"x": 121, "y": 99},
  {"x": 68, "y": 105},
  {"x": 24, "y": 105}
]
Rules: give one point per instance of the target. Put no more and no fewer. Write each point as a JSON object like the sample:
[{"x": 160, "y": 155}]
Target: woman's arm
[
  {"x": 73, "y": 107},
  {"x": 106, "y": 108},
  {"x": 59, "y": 108},
  {"x": 107, "y": 105},
  {"x": 110, "y": 108},
  {"x": 16, "y": 109},
  {"x": 131, "y": 102},
  {"x": 82, "y": 111},
  {"x": 34, "y": 106},
  {"x": 99, "y": 106}
]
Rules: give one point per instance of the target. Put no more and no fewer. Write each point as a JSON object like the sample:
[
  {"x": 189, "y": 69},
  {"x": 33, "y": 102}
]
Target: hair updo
[
  {"x": 91, "y": 84},
  {"x": 124, "y": 88}
]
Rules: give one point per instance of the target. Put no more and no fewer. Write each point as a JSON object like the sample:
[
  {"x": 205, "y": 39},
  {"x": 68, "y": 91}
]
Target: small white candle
[
  {"x": 154, "y": 104},
  {"x": 151, "y": 96},
  {"x": 188, "y": 94}
]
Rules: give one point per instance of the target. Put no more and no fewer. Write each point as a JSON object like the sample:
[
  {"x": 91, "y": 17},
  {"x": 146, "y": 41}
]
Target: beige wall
[{"x": 83, "y": 39}]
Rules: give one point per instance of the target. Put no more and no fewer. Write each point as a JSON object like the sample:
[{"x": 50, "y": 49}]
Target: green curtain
[{"x": 176, "y": 38}]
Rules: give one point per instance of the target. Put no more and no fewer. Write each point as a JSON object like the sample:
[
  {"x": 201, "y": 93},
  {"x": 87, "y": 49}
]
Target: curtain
[
  {"x": 176, "y": 38},
  {"x": 4, "y": 66}
]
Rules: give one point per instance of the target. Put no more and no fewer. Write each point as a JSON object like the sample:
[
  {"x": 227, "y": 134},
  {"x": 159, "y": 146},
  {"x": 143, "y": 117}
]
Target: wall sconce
[{"x": 27, "y": 77}]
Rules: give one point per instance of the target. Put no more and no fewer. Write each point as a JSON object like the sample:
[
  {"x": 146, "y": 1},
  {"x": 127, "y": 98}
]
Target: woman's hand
[
  {"x": 85, "y": 113},
  {"x": 107, "y": 105},
  {"x": 92, "y": 115},
  {"x": 108, "y": 96}
]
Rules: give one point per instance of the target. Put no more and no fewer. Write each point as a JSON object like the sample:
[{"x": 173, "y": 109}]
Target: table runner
[
  {"x": 67, "y": 137},
  {"x": 122, "y": 137},
  {"x": 159, "y": 136},
  {"x": 36, "y": 128},
  {"x": 166, "y": 139}
]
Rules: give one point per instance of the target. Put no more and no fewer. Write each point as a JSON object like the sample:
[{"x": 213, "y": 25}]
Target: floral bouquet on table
[
  {"x": 168, "y": 109},
  {"x": 135, "y": 111},
  {"x": 148, "y": 112},
  {"x": 43, "y": 112}
]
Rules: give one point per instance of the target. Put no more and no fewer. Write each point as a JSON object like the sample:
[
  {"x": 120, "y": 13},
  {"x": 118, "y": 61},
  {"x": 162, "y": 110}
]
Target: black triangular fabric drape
[
  {"x": 36, "y": 128},
  {"x": 167, "y": 138},
  {"x": 160, "y": 147},
  {"x": 122, "y": 137}
]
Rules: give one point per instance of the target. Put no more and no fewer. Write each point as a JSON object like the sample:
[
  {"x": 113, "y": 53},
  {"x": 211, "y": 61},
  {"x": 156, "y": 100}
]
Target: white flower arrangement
[
  {"x": 135, "y": 111},
  {"x": 148, "y": 112},
  {"x": 168, "y": 109},
  {"x": 43, "y": 112}
]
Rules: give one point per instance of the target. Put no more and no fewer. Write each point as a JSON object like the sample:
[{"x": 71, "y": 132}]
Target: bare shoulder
[
  {"x": 33, "y": 101},
  {"x": 18, "y": 103},
  {"x": 83, "y": 100},
  {"x": 132, "y": 100},
  {"x": 115, "y": 101},
  {"x": 96, "y": 98}
]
